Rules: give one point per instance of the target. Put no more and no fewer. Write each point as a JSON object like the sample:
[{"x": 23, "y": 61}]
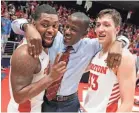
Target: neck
[
  {"x": 106, "y": 47},
  {"x": 46, "y": 50}
]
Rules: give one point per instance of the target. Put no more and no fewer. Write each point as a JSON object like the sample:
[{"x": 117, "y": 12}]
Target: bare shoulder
[
  {"x": 127, "y": 62},
  {"x": 21, "y": 60},
  {"x": 127, "y": 56},
  {"x": 127, "y": 67},
  {"x": 21, "y": 54}
]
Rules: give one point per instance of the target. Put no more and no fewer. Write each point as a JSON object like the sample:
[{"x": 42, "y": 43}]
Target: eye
[
  {"x": 107, "y": 25},
  {"x": 73, "y": 29},
  {"x": 55, "y": 26},
  {"x": 66, "y": 26},
  {"x": 45, "y": 25},
  {"x": 97, "y": 25}
]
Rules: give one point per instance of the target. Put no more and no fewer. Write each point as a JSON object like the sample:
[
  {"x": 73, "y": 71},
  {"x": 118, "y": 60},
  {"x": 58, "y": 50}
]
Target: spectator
[
  {"x": 91, "y": 33},
  {"x": 6, "y": 29}
]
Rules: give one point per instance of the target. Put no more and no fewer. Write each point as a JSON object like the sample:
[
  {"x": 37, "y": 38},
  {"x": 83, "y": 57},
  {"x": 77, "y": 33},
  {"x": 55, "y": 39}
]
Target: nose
[
  {"x": 67, "y": 31},
  {"x": 50, "y": 30},
  {"x": 101, "y": 28}
]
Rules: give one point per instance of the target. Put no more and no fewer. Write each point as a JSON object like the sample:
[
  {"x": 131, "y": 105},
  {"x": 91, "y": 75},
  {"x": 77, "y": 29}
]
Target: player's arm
[
  {"x": 23, "y": 66},
  {"x": 126, "y": 76}
]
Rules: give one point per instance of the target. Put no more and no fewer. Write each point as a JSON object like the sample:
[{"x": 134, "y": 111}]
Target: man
[
  {"x": 107, "y": 85},
  {"x": 5, "y": 30},
  {"x": 6, "y": 27},
  {"x": 80, "y": 56},
  {"x": 29, "y": 76}
]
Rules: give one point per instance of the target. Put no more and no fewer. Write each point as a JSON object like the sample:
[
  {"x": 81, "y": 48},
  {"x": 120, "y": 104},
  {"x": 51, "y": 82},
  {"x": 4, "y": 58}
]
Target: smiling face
[
  {"x": 106, "y": 29},
  {"x": 47, "y": 26},
  {"x": 74, "y": 30},
  {"x": 107, "y": 26}
]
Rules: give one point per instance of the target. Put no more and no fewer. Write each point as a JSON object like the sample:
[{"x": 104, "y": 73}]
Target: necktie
[{"x": 52, "y": 90}]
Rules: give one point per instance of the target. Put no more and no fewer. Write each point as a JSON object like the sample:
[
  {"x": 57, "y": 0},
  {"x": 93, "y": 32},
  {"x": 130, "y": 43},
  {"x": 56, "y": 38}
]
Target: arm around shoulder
[
  {"x": 22, "y": 69},
  {"x": 16, "y": 26},
  {"x": 125, "y": 41}
]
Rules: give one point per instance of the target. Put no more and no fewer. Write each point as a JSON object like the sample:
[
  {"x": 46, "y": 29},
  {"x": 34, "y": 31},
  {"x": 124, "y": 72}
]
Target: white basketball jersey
[
  {"x": 33, "y": 105},
  {"x": 103, "y": 93}
]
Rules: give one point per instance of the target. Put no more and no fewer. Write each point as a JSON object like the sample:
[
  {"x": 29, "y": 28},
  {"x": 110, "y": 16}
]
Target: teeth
[
  {"x": 49, "y": 38},
  {"x": 68, "y": 37},
  {"x": 101, "y": 36}
]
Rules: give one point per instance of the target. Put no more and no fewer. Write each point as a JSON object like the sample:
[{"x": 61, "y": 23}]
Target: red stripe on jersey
[
  {"x": 113, "y": 100},
  {"x": 114, "y": 97},
  {"x": 116, "y": 88},
  {"x": 112, "y": 107},
  {"x": 25, "y": 107},
  {"x": 115, "y": 93},
  {"x": 116, "y": 84}
]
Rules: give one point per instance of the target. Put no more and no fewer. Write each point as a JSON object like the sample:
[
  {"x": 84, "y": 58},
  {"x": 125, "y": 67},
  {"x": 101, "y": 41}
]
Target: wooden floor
[{"x": 5, "y": 96}]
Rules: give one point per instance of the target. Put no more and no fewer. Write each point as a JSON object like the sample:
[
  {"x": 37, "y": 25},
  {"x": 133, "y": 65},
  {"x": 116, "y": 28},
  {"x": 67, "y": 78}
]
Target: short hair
[
  {"x": 114, "y": 14},
  {"x": 83, "y": 17},
  {"x": 45, "y": 8}
]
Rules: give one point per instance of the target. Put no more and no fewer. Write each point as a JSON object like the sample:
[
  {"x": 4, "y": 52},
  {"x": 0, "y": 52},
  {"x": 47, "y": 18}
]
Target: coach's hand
[
  {"x": 114, "y": 55},
  {"x": 34, "y": 40},
  {"x": 58, "y": 68}
]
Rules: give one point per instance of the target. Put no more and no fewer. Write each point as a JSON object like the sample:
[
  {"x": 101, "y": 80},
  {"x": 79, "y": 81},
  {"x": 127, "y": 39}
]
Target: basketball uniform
[
  {"x": 33, "y": 105},
  {"x": 103, "y": 93}
]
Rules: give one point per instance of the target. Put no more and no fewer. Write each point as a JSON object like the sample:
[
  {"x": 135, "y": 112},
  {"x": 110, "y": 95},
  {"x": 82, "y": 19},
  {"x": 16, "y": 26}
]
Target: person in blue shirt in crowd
[{"x": 5, "y": 29}]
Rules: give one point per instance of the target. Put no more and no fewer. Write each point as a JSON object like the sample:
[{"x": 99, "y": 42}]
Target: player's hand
[
  {"x": 58, "y": 69},
  {"x": 34, "y": 40},
  {"x": 114, "y": 55}
]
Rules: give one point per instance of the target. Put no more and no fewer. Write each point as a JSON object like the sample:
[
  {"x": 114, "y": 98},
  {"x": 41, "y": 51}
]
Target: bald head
[{"x": 82, "y": 17}]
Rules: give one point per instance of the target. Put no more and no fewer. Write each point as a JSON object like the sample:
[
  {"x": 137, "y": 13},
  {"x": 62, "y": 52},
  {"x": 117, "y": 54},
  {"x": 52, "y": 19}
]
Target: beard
[{"x": 45, "y": 45}]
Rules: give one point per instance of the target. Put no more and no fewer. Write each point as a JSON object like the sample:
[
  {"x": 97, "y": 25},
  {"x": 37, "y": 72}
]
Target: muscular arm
[
  {"x": 23, "y": 66},
  {"x": 126, "y": 76}
]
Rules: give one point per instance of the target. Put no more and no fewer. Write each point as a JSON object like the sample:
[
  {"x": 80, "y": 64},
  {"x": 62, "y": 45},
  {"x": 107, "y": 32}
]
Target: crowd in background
[{"x": 11, "y": 11}]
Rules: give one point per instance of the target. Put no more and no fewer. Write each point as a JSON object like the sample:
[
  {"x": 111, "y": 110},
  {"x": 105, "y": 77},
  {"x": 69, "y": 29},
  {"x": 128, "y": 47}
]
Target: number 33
[{"x": 93, "y": 81}]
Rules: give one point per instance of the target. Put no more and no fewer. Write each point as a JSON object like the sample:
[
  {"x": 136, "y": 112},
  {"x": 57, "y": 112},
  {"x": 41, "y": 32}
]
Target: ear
[
  {"x": 117, "y": 29},
  {"x": 33, "y": 22},
  {"x": 85, "y": 33}
]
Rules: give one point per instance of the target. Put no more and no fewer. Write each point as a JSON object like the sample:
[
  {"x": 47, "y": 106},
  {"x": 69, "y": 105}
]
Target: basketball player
[
  {"x": 29, "y": 76},
  {"x": 107, "y": 86}
]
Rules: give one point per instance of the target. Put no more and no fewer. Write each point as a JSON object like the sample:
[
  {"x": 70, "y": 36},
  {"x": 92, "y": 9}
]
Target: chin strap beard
[{"x": 45, "y": 45}]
